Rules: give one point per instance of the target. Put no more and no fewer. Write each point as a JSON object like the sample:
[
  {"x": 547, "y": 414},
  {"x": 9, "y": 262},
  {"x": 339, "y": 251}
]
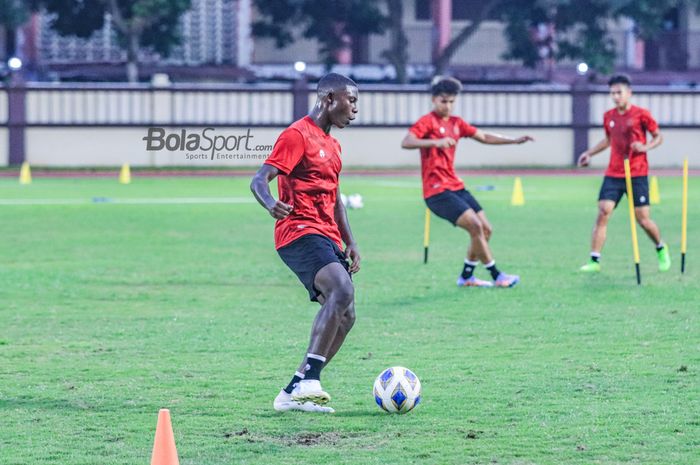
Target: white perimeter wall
[
  {"x": 70, "y": 144},
  {"x": 4, "y": 149},
  {"x": 678, "y": 144},
  {"x": 361, "y": 147}
]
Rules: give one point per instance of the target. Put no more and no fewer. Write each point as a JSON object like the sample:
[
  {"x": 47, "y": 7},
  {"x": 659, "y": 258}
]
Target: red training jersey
[
  {"x": 623, "y": 129},
  {"x": 438, "y": 164},
  {"x": 309, "y": 162}
]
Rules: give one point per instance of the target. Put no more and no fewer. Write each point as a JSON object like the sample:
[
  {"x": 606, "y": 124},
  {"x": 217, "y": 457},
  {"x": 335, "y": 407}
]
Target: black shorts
[
  {"x": 451, "y": 204},
  {"x": 307, "y": 255},
  {"x": 614, "y": 188}
]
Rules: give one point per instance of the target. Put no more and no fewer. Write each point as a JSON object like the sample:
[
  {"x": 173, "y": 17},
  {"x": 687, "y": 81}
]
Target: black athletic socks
[
  {"x": 493, "y": 270},
  {"x": 468, "y": 269},
  {"x": 314, "y": 364},
  {"x": 295, "y": 379}
]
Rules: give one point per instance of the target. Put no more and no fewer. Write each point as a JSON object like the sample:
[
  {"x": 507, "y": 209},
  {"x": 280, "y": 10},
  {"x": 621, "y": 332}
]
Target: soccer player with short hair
[
  {"x": 626, "y": 128},
  {"x": 311, "y": 226},
  {"x": 436, "y": 135}
]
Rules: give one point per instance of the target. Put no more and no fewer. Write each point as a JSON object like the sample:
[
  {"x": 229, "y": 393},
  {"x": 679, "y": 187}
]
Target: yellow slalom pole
[
  {"x": 633, "y": 224},
  {"x": 684, "y": 222},
  {"x": 426, "y": 236}
]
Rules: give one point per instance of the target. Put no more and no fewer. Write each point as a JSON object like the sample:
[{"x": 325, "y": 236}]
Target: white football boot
[
  {"x": 284, "y": 403},
  {"x": 310, "y": 390}
]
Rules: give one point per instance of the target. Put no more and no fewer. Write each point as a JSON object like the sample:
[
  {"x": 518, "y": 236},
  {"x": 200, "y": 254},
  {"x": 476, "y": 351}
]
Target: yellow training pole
[
  {"x": 426, "y": 235},
  {"x": 633, "y": 224},
  {"x": 684, "y": 222}
]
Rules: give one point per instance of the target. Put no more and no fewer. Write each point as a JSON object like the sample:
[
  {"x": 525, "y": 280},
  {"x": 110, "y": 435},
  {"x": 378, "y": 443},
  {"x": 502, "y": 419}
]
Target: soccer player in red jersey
[
  {"x": 311, "y": 223},
  {"x": 626, "y": 128},
  {"x": 436, "y": 135}
]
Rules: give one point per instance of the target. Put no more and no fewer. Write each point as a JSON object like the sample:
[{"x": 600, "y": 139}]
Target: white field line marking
[{"x": 127, "y": 201}]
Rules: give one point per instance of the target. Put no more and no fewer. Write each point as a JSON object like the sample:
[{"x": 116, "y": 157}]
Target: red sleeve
[
  {"x": 421, "y": 128},
  {"x": 606, "y": 125},
  {"x": 466, "y": 129},
  {"x": 649, "y": 122},
  {"x": 287, "y": 152}
]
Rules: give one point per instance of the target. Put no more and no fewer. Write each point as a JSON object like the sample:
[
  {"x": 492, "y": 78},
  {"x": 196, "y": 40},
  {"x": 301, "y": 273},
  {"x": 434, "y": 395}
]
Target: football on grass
[{"x": 397, "y": 390}]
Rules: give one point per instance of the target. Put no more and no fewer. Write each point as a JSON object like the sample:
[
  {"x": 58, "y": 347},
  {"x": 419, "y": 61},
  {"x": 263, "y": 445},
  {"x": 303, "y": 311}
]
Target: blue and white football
[{"x": 397, "y": 390}]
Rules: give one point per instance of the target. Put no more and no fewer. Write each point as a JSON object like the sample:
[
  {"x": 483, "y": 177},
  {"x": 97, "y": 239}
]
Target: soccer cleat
[
  {"x": 473, "y": 282},
  {"x": 506, "y": 280},
  {"x": 664, "y": 259},
  {"x": 284, "y": 403},
  {"x": 590, "y": 267},
  {"x": 310, "y": 390}
]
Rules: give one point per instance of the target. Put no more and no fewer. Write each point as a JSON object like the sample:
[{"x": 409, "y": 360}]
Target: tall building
[{"x": 214, "y": 32}]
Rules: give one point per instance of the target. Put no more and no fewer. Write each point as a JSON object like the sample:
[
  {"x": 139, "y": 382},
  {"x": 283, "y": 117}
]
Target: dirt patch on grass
[
  {"x": 305, "y": 438},
  {"x": 314, "y": 439}
]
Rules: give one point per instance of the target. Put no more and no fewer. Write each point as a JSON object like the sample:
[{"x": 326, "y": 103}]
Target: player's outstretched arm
[
  {"x": 413, "y": 142},
  {"x": 351, "y": 250},
  {"x": 260, "y": 186},
  {"x": 497, "y": 139},
  {"x": 585, "y": 158}
]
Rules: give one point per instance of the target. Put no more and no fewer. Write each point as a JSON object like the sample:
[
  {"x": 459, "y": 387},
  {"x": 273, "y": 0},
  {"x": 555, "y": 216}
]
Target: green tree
[
  {"x": 582, "y": 27},
  {"x": 397, "y": 53},
  {"x": 281, "y": 19},
  {"x": 13, "y": 14},
  {"x": 139, "y": 24}
]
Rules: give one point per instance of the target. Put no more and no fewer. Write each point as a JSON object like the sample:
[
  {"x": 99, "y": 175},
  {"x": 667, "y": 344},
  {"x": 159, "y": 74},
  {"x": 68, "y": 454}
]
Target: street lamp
[
  {"x": 299, "y": 66},
  {"x": 15, "y": 64}
]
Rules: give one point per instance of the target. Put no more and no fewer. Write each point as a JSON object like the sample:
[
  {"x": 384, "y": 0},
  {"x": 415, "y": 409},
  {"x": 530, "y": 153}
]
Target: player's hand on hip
[
  {"x": 280, "y": 210},
  {"x": 584, "y": 159},
  {"x": 638, "y": 147},
  {"x": 353, "y": 253},
  {"x": 445, "y": 142},
  {"x": 523, "y": 139}
]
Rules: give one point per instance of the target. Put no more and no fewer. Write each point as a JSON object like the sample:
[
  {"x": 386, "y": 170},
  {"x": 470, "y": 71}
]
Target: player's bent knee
[
  {"x": 477, "y": 229},
  {"x": 349, "y": 318},
  {"x": 604, "y": 215},
  {"x": 472, "y": 225},
  {"x": 642, "y": 216},
  {"x": 343, "y": 296}
]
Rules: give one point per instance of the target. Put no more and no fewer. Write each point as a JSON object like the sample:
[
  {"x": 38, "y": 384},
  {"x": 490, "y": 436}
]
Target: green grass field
[{"x": 111, "y": 311}]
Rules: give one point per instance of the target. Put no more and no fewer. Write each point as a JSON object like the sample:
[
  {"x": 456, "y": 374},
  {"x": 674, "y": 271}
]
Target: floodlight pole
[
  {"x": 580, "y": 115},
  {"x": 16, "y": 117},
  {"x": 300, "y": 94}
]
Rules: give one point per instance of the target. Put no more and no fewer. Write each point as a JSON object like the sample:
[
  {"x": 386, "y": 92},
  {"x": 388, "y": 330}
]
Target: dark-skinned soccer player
[{"x": 310, "y": 230}]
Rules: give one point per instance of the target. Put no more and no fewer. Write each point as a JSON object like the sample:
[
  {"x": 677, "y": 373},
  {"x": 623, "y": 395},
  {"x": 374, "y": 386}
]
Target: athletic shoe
[
  {"x": 473, "y": 282},
  {"x": 284, "y": 403},
  {"x": 506, "y": 280},
  {"x": 664, "y": 259},
  {"x": 310, "y": 390},
  {"x": 590, "y": 267}
]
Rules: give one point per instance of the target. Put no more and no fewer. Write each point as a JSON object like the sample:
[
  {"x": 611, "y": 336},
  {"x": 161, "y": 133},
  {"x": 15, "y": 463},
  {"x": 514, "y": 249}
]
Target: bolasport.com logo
[{"x": 207, "y": 144}]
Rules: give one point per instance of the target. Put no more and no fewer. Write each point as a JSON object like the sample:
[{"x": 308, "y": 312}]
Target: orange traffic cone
[{"x": 164, "y": 451}]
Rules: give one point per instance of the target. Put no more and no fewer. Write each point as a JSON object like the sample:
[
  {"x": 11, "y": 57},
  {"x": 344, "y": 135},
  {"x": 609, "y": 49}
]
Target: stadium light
[
  {"x": 14, "y": 63},
  {"x": 582, "y": 68},
  {"x": 299, "y": 66}
]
